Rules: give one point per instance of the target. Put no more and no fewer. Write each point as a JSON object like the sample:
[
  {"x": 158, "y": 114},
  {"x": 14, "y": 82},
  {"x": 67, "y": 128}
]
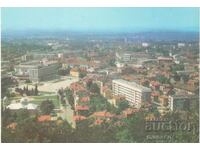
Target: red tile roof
[
  {"x": 85, "y": 99},
  {"x": 130, "y": 111},
  {"x": 79, "y": 107},
  {"x": 77, "y": 87},
  {"x": 155, "y": 94},
  {"x": 98, "y": 121},
  {"x": 44, "y": 118},
  {"x": 79, "y": 118},
  {"x": 155, "y": 83},
  {"x": 103, "y": 114}
]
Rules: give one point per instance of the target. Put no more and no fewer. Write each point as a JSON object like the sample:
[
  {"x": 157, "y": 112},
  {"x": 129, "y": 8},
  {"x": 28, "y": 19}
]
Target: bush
[{"x": 46, "y": 107}]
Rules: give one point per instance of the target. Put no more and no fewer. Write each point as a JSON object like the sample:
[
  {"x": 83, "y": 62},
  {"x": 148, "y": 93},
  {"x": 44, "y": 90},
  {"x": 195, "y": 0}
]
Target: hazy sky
[{"x": 100, "y": 19}]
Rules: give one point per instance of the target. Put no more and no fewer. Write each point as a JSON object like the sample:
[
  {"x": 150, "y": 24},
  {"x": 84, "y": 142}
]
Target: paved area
[{"x": 54, "y": 85}]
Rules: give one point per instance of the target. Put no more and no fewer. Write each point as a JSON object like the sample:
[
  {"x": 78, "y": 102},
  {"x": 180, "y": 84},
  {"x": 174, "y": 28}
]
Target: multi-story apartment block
[{"x": 134, "y": 93}]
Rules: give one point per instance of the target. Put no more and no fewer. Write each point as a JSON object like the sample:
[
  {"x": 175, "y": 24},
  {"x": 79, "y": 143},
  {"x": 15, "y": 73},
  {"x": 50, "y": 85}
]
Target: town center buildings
[{"x": 38, "y": 71}]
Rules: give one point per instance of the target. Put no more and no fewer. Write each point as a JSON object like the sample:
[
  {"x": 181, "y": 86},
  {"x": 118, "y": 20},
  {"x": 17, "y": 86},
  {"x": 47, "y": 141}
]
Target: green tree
[
  {"x": 36, "y": 89},
  {"x": 22, "y": 114},
  {"x": 163, "y": 80},
  {"x": 122, "y": 105},
  {"x": 133, "y": 129},
  {"x": 94, "y": 88},
  {"x": 82, "y": 74},
  {"x": 46, "y": 107}
]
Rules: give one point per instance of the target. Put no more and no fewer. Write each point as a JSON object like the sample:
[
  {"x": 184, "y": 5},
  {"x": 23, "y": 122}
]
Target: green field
[{"x": 38, "y": 100}]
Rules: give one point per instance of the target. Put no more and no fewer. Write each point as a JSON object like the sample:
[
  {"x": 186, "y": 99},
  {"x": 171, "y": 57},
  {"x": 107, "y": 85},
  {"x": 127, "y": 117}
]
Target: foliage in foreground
[{"x": 130, "y": 130}]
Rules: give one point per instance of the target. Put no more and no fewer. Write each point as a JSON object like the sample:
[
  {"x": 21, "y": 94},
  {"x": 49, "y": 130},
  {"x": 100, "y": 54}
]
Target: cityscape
[{"x": 100, "y": 75}]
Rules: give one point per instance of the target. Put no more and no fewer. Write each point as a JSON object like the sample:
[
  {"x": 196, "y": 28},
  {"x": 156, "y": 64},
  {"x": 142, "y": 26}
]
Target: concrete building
[
  {"x": 134, "y": 93},
  {"x": 145, "y": 44},
  {"x": 26, "y": 57},
  {"x": 164, "y": 60},
  {"x": 38, "y": 71},
  {"x": 49, "y": 56},
  {"x": 180, "y": 45},
  {"x": 126, "y": 57},
  {"x": 183, "y": 102}
]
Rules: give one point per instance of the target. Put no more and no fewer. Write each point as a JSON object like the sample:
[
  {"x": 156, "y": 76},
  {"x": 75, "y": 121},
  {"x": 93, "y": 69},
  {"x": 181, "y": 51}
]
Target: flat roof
[
  {"x": 132, "y": 85},
  {"x": 36, "y": 64}
]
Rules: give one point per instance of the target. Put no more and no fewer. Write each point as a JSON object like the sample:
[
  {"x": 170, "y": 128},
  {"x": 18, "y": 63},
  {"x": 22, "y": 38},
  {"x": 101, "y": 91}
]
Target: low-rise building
[
  {"x": 126, "y": 57},
  {"x": 23, "y": 104},
  {"x": 164, "y": 60},
  {"x": 74, "y": 72}
]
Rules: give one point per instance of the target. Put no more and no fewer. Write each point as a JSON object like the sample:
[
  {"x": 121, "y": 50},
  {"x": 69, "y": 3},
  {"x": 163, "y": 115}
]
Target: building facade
[
  {"x": 127, "y": 57},
  {"x": 183, "y": 102},
  {"x": 38, "y": 71},
  {"x": 43, "y": 72},
  {"x": 134, "y": 93}
]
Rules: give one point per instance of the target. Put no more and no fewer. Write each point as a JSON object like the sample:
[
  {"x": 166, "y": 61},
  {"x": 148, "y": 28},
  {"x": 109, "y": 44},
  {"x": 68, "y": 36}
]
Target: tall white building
[{"x": 134, "y": 93}]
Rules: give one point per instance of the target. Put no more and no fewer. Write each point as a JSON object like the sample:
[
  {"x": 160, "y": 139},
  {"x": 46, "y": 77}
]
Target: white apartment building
[{"x": 134, "y": 93}]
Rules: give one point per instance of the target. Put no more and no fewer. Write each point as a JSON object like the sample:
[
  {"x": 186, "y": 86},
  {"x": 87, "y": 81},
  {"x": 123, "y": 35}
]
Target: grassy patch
[
  {"x": 38, "y": 100},
  {"x": 43, "y": 93}
]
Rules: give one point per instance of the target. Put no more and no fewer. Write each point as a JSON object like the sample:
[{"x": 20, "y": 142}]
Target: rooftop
[
  {"x": 22, "y": 105},
  {"x": 132, "y": 85},
  {"x": 78, "y": 118},
  {"x": 44, "y": 118},
  {"x": 79, "y": 107},
  {"x": 36, "y": 64},
  {"x": 84, "y": 99},
  {"x": 103, "y": 114}
]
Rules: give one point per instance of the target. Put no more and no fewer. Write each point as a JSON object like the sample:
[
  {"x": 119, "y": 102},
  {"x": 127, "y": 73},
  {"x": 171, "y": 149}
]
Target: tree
[
  {"x": 177, "y": 67},
  {"x": 163, "y": 80},
  {"x": 89, "y": 83},
  {"x": 122, "y": 105},
  {"x": 63, "y": 72},
  {"x": 28, "y": 81},
  {"x": 46, "y": 107},
  {"x": 185, "y": 78},
  {"x": 82, "y": 74},
  {"x": 71, "y": 100},
  {"x": 176, "y": 77},
  {"x": 133, "y": 130},
  {"x": 36, "y": 89},
  {"x": 99, "y": 103},
  {"x": 22, "y": 114},
  {"x": 112, "y": 62},
  {"x": 6, "y": 117},
  {"x": 94, "y": 88},
  {"x": 70, "y": 97}
]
